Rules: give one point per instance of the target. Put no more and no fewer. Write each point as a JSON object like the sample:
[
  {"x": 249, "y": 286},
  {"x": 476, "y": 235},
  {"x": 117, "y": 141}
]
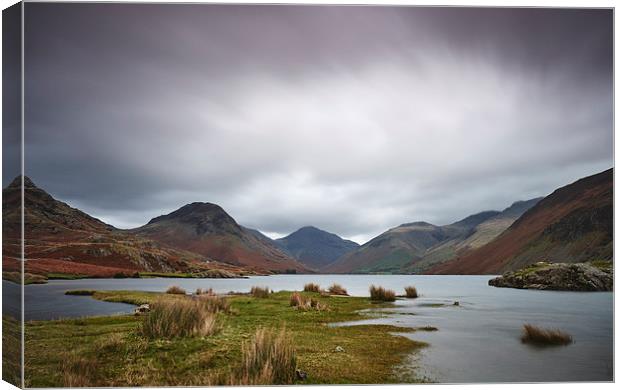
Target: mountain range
[
  {"x": 574, "y": 223},
  {"x": 197, "y": 238},
  {"x": 415, "y": 247}
]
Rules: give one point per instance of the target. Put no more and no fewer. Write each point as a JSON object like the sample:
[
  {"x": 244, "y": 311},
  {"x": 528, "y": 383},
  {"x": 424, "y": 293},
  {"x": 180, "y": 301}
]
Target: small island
[{"x": 592, "y": 276}]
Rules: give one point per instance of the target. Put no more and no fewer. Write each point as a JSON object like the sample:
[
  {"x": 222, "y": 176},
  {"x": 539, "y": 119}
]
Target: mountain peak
[
  {"x": 197, "y": 210},
  {"x": 17, "y": 182},
  {"x": 315, "y": 247}
]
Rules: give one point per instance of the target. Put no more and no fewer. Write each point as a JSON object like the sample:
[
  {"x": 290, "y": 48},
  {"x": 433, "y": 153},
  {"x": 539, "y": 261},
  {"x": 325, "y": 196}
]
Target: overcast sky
[{"x": 351, "y": 119}]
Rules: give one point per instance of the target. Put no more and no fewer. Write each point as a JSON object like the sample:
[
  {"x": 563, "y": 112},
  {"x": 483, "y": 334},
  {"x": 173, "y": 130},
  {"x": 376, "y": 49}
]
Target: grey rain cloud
[{"x": 352, "y": 119}]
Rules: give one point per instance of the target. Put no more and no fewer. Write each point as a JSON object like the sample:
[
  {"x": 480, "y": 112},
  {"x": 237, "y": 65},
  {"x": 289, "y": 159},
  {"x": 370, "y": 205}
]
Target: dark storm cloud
[{"x": 353, "y": 119}]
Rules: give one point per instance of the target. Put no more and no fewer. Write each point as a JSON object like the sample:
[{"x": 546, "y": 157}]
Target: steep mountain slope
[
  {"x": 418, "y": 246},
  {"x": 392, "y": 250},
  {"x": 573, "y": 224},
  {"x": 206, "y": 229},
  {"x": 314, "y": 247},
  {"x": 474, "y": 237},
  {"x": 62, "y": 239}
]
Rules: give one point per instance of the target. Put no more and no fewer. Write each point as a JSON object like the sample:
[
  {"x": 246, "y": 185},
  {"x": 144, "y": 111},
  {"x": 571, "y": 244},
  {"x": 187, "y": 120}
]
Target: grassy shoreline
[{"x": 124, "y": 358}]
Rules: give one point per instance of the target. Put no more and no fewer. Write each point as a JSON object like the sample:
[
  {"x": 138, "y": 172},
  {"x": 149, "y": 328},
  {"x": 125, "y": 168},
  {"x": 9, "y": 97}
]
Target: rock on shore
[{"x": 559, "y": 276}]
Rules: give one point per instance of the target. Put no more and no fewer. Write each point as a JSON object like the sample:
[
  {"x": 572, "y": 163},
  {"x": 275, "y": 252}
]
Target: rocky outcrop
[{"x": 559, "y": 276}]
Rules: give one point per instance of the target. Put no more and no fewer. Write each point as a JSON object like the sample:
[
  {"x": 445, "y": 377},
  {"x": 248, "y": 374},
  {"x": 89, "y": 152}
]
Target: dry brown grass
[
  {"x": 260, "y": 292},
  {"x": 214, "y": 303},
  {"x": 175, "y": 290},
  {"x": 269, "y": 359},
  {"x": 411, "y": 292},
  {"x": 78, "y": 371},
  {"x": 301, "y": 302},
  {"x": 378, "y": 293},
  {"x": 312, "y": 287},
  {"x": 336, "y": 289},
  {"x": 200, "y": 291},
  {"x": 541, "y": 336},
  {"x": 170, "y": 319}
]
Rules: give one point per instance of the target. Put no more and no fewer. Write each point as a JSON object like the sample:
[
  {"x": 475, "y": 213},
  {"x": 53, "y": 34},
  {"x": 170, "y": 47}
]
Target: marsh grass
[
  {"x": 217, "y": 359},
  {"x": 336, "y": 289},
  {"x": 175, "y": 290},
  {"x": 411, "y": 292},
  {"x": 541, "y": 336},
  {"x": 79, "y": 371},
  {"x": 268, "y": 359},
  {"x": 113, "y": 342},
  {"x": 260, "y": 292},
  {"x": 312, "y": 287},
  {"x": 169, "y": 319},
  {"x": 378, "y": 293},
  {"x": 201, "y": 291},
  {"x": 214, "y": 303}
]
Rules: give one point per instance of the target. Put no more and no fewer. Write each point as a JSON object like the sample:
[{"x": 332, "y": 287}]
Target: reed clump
[
  {"x": 268, "y": 359},
  {"x": 260, "y": 292},
  {"x": 201, "y": 291},
  {"x": 169, "y": 319},
  {"x": 378, "y": 293},
  {"x": 312, "y": 287},
  {"x": 301, "y": 302},
  {"x": 175, "y": 290},
  {"x": 336, "y": 289},
  {"x": 215, "y": 303},
  {"x": 541, "y": 336},
  {"x": 411, "y": 292}
]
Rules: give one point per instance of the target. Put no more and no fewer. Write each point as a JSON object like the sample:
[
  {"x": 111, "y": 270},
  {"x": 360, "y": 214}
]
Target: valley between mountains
[{"x": 572, "y": 224}]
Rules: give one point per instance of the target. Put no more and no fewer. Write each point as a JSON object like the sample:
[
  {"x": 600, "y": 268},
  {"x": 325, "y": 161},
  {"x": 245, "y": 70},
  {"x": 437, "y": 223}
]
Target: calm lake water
[{"x": 477, "y": 341}]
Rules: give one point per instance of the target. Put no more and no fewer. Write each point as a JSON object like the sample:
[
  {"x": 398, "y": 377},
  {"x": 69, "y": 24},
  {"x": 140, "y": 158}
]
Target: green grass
[{"x": 372, "y": 351}]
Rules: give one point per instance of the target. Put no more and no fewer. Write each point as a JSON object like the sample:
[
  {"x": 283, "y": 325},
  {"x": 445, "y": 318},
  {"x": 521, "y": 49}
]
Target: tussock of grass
[
  {"x": 312, "y": 287},
  {"x": 214, "y": 303},
  {"x": 170, "y": 319},
  {"x": 269, "y": 359},
  {"x": 541, "y": 336},
  {"x": 175, "y": 290},
  {"x": 381, "y": 294},
  {"x": 306, "y": 303},
  {"x": 337, "y": 289},
  {"x": 411, "y": 292},
  {"x": 260, "y": 292},
  {"x": 201, "y": 291}
]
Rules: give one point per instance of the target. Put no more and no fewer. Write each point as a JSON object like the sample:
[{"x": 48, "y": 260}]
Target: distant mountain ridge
[
  {"x": 573, "y": 224},
  {"x": 314, "y": 247},
  {"x": 415, "y": 247}
]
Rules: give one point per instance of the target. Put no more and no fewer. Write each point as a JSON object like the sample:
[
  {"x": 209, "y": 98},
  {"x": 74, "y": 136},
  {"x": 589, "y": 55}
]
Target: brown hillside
[
  {"x": 62, "y": 239},
  {"x": 574, "y": 223}
]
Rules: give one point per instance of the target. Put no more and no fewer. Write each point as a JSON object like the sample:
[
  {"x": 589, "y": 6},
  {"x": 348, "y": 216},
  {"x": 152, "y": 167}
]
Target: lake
[{"x": 477, "y": 341}]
